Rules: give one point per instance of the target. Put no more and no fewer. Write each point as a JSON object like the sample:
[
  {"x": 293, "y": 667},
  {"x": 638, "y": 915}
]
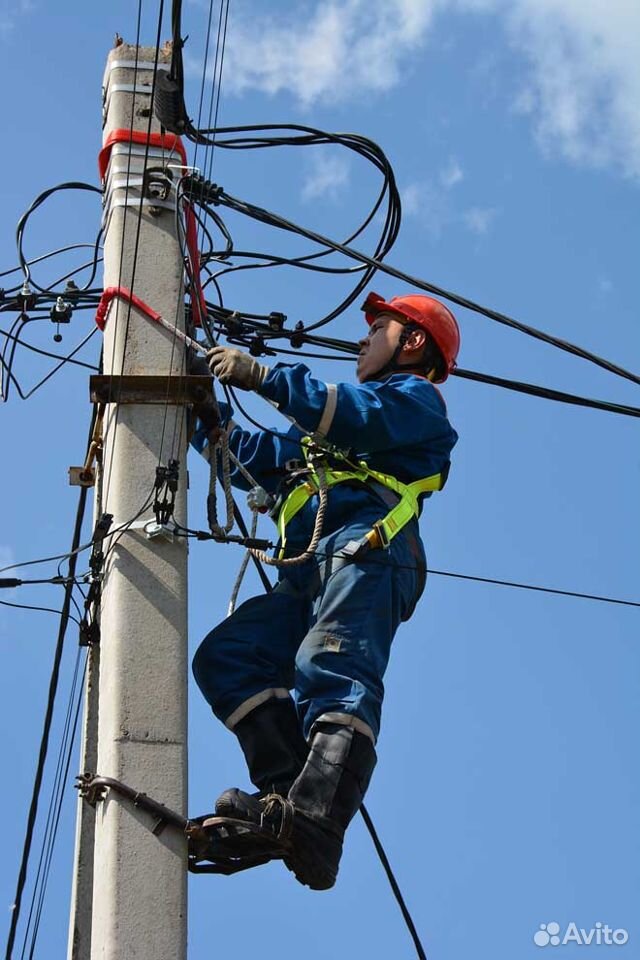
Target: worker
[{"x": 325, "y": 630}]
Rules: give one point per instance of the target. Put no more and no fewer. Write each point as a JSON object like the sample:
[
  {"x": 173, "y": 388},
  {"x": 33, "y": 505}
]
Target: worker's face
[{"x": 377, "y": 348}]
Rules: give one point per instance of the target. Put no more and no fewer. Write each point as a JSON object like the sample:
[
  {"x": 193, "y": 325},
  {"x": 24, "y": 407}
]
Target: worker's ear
[{"x": 415, "y": 341}]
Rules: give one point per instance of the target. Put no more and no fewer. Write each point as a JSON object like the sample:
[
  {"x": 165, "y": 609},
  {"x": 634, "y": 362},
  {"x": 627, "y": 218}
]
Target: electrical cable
[
  {"x": 28, "y": 606},
  {"x": 82, "y": 298},
  {"x": 73, "y": 580},
  {"x": 116, "y": 319},
  {"x": 22, "y": 222},
  {"x": 531, "y": 389},
  {"x": 55, "y": 809},
  {"x": 42, "y": 257},
  {"x": 393, "y": 882},
  {"x": 55, "y": 356},
  {"x": 265, "y": 216},
  {"x": 546, "y": 393},
  {"x": 538, "y": 589},
  {"x": 65, "y": 616},
  {"x": 65, "y": 360}
]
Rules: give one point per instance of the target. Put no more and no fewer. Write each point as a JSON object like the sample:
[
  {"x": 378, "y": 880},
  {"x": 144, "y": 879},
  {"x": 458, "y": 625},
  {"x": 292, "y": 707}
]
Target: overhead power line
[
  {"x": 219, "y": 196},
  {"x": 65, "y": 616},
  {"x": 538, "y": 589},
  {"x": 271, "y": 339}
]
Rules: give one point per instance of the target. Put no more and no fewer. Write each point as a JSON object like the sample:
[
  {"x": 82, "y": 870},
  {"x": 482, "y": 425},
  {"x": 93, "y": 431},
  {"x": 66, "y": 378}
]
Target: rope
[
  {"x": 220, "y": 447},
  {"x": 315, "y": 539},
  {"x": 243, "y": 568}
]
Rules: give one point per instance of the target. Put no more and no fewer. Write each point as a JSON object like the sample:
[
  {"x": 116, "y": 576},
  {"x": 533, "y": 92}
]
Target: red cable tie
[
  {"x": 168, "y": 141},
  {"x": 111, "y": 293},
  {"x": 197, "y": 298}
]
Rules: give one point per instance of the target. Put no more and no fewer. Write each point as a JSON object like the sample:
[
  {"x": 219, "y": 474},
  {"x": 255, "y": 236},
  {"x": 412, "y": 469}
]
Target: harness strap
[{"x": 383, "y": 484}]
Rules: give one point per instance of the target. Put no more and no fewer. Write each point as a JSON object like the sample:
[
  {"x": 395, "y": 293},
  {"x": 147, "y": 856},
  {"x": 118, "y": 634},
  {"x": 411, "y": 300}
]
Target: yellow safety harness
[{"x": 384, "y": 530}]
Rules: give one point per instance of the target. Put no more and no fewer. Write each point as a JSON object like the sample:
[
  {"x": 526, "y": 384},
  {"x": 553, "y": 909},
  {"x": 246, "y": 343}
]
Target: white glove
[{"x": 236, "y": 368}]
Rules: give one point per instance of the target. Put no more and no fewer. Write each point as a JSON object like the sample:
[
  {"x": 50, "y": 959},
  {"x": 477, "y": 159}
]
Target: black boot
[
  {"x": 325, "y": 797},
  {"x": 275, "y": 751}
]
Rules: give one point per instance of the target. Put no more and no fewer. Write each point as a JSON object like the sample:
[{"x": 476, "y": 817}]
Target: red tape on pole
[
  {"x": 124, "y": 294},
  {"x": 168, "y": 141}
]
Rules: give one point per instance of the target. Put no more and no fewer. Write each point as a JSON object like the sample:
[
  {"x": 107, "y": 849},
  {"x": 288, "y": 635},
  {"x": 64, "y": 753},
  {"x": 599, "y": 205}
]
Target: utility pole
[{"x": 137, "y": 881}]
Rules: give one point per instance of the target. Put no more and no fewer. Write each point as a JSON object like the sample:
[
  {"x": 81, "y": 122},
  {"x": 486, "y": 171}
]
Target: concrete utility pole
[{"x": 139, "y": 879}]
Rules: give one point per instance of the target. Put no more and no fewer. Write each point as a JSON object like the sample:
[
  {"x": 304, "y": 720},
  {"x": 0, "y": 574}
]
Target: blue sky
[{"x": 507, "y": 787}]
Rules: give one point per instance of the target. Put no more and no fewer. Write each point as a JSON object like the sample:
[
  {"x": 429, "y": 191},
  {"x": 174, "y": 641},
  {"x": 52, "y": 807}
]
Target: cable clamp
[
  {"x": 196, "y": 187},
  {"x": 26, "y": 299},
  {"x": 166, "y": 487}
]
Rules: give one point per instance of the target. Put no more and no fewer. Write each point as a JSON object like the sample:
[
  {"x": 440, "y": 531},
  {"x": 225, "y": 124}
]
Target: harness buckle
[{"x": 381, "y": 534}]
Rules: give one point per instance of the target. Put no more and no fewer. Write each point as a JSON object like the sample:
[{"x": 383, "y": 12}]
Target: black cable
[
  {"x": 546, "y": 393},
  {"x": 82, "y": 298},
  {"x": 47, "y": 353},
  {"x": 535, "y": 390},
  {"x": 393, "y": 882},
  {"x": 204, "y": 535},
  {"x": 55, "y": 809},
  {"x": 530, "y": 586},
  {"x": 65, "y": 360},
  {"x": 85, "y": 546},
  {"x": 59, "y": 581},
  {"x": 138, "y": 225},
  {"x": 22, "y": 222},
  {"x": 265, "y": 216},
  {"x": 65, "y": 616},
  {"x": 28, "y": 606},
  {"x": 44, "y": 256}
]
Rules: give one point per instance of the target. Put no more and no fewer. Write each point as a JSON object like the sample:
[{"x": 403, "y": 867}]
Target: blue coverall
[{"x": 325, "y": 631}]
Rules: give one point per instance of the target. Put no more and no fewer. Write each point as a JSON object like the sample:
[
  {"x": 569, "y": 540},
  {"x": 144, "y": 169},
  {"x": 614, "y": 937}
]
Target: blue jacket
[{"x": 397, "y": 425}]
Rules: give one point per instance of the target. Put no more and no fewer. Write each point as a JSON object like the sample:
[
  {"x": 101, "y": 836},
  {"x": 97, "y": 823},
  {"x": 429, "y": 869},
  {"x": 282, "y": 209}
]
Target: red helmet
[{"x": 427, "y": 313}]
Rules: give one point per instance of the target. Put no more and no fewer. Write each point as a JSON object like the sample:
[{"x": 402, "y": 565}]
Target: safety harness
[{"x": 317, "y": 458}]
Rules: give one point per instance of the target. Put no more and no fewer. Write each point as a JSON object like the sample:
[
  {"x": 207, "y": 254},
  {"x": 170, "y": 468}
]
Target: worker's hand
[
  {"x": 205, "y": 407},
  {"x": 236, "y": 368}
]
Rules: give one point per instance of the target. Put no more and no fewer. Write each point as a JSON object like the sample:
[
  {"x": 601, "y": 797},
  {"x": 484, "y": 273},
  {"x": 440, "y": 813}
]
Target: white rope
[
  {"x": 228, "y": 457},
  {"x": 243, "y": 568}
]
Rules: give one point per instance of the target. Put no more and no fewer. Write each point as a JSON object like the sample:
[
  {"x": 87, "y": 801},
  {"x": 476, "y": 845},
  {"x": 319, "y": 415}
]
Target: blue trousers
[{"x": 325, "y": 631}]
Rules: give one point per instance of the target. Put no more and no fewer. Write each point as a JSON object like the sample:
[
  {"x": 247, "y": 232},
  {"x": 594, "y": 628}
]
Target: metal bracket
[
  {"x": 173, "y": 390},
  {"x": 85, "y": 476},
  {"x": 82, "y": 477},
  {"x": 215, "y": 844},
  {"x": 95, "y": 788}
]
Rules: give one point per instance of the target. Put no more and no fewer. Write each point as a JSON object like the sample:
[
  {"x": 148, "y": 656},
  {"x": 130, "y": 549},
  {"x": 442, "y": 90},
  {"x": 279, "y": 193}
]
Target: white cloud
[
  {"x": 335, "y": 50},
  {"x": 479, "y": 219},
  {"x": 582, "y": 84},
  {"x": 326, "y": 177},
  {"x": 428, "y": 203},
  {"x": 10, "y": 12},
  {"x": 583, "y": 88},
  {"x": 451, "y": 174},
  {"x": 432, "y": 205}
]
